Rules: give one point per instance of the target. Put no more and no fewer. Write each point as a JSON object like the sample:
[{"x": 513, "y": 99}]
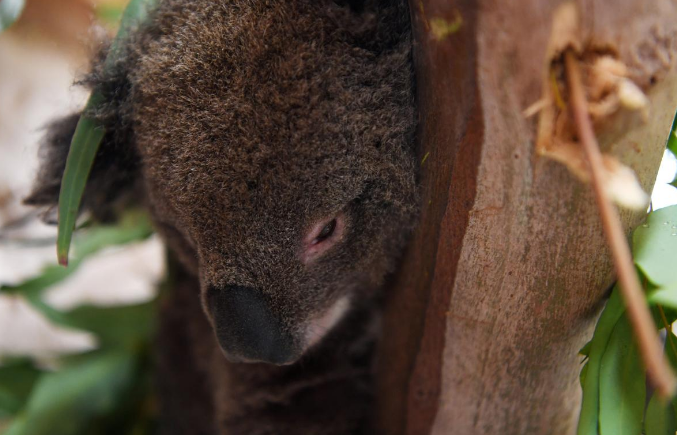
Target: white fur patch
[{"x": 319, "y": 327}]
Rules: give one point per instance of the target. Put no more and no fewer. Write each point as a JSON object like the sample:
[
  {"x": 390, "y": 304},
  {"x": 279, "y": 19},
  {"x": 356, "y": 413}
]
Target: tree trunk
[{"x": 506, "y": 276}]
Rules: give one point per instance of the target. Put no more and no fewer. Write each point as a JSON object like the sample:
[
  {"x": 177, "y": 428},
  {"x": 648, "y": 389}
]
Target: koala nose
[{"x": 246, "y": 328}]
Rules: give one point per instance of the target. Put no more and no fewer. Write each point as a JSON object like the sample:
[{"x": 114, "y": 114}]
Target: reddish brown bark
[{"x": 507, "y": 273}]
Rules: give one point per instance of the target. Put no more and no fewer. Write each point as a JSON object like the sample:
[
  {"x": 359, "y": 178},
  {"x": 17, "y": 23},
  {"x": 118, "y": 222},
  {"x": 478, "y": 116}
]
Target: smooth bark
[{"x": 507, "y": 274}]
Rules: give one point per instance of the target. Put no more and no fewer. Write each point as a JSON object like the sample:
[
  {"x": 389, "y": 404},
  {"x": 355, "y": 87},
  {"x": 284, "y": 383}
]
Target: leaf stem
[{"x": 658, "y": 370}]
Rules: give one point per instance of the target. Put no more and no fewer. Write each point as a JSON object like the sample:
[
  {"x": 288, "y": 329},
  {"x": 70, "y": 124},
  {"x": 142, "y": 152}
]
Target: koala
[{"x": 272, "y": 142}]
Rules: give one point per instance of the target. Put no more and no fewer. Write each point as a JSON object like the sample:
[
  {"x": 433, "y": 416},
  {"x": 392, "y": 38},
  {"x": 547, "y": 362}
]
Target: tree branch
[{"x": 657, "y": 368}]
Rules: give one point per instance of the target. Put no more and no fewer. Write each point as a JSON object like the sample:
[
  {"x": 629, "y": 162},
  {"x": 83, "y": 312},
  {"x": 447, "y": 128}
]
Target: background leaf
[
  {"x": 622, "y": 384},
  {"x": 76, "y": 399},
  {"x": 666, "y": 296},
  {"x": 589, "y": 418},
  {"x": 655, "y": 246},
  {"x": 10, "y": 10},
  {"x": 127, "y": 326},
  {"x": 133, "y": 226},
  {"x": 660, "y": 418},
  {"x": 16, "y": 381}
]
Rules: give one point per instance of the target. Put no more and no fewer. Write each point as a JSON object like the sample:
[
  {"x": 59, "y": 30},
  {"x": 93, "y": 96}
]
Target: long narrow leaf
[
  {"x": 16, "y": 381},
  {"x": 88, "y": 136},
  {"x": 660, "y": 418},
  {"x": 70, "y": 401},
  {"x": 84, "y": 146},
  {"x": 655, "y": 246},
  {"x": 133, "y": 226},
  {"x": 622, "y": 384},
  {"x": 589, "y": 418}
]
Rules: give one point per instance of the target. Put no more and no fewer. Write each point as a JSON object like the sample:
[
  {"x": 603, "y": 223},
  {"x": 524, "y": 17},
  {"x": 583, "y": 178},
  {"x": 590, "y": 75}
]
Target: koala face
[{"x": 274, "y": 146}]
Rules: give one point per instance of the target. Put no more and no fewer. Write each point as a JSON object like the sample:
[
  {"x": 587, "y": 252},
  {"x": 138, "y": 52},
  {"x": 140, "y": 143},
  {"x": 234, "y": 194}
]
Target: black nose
[{"x": 246, "y": 328}]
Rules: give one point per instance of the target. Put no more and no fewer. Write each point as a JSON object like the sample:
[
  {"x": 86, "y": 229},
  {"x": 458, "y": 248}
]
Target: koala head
[{"x": 272, "y": 144}]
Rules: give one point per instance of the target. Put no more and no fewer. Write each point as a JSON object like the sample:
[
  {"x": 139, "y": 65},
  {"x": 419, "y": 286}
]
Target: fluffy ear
[{"x": 113, "y": 179}]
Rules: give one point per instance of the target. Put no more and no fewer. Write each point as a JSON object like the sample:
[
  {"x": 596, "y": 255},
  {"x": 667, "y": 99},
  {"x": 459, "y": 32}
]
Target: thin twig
[{"x": 658, "y": 369}]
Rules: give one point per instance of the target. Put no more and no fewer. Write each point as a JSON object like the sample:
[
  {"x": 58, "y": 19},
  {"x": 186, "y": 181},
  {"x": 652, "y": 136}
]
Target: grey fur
[{"x": 239, "y": 124}]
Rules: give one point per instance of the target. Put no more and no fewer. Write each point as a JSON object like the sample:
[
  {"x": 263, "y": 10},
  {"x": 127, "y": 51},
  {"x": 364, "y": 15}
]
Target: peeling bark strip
[
  {"x": 449, "y": 129},
  {"x": 505, "y": 278}
]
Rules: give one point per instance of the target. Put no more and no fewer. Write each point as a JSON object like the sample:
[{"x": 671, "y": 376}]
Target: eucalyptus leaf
[
  {"x": 111, "y": 14},
  {"x": 655, "y": 247},
  {"x": 128, "y": 326},
  {"x": 133, "y": 226},
  {"x": 76, "y": 399},
  {"x": 622, "y": 384},
  {"x": 88, "y": 136},
  {"x": 671, "y": 353},
  {"x": 589, "y": 419},
  {"x": 583, "y": 374},
  {"x": 84, "y": 146},
  {"x": 666, "y": 296},
  {"x": 660, "y": 418},
  {"x": 10, "y": 10},
  {"x": 16, "y": 381}
]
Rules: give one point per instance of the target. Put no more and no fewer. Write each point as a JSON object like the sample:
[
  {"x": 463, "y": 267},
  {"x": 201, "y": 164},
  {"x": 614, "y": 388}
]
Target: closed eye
[
  {"x": 326, "y": 232},
  {"x": 321, "y": 237}
]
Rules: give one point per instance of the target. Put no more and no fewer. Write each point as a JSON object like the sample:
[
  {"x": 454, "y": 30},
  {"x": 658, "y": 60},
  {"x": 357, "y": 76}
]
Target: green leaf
[
  {"x": 84, "y": 146},
  {"x": 111, "y": 14},
  {"x": 583, "y": 374},
  {"x": 589, "y": 418},
  {"x": 9, "y": 12},
  {"x": 16, "y": 380},
  {"x": 660, "y": 418},
  {"x": 75, "y": 399},
  {"x": 133, "y": 226},
  {"x": 671, "y": 353},
  {"x": 622, "y": 384},
  {"x": 127, "y": 326},
  {"x": 666, "y": 296},
  {"x": 88, "y": 136},
  {"x": 655, "y": 247}
]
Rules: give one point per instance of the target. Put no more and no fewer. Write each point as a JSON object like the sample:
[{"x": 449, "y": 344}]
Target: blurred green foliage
[
  {"x": 105, "y": 391},
  {"x": 613, "y": 379},
  {"x": 109, "y": 14}
]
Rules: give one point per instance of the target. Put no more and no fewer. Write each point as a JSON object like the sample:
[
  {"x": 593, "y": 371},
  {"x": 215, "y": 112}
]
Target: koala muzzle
[{"x": 246, "y": 328}]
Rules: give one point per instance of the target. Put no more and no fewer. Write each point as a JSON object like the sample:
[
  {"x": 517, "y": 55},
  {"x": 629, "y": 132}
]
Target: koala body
[{"x": 272, "y": 142}]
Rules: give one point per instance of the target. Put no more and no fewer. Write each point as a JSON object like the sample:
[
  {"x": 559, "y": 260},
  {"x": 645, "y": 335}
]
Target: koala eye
[
  {"x": 321, "y": 237},
  {"x": 327, "y": 232}
]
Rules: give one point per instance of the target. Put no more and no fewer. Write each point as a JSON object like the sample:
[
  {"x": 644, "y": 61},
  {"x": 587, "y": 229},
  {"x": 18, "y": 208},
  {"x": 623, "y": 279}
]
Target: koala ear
[{"x": 112, "y": 181}]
